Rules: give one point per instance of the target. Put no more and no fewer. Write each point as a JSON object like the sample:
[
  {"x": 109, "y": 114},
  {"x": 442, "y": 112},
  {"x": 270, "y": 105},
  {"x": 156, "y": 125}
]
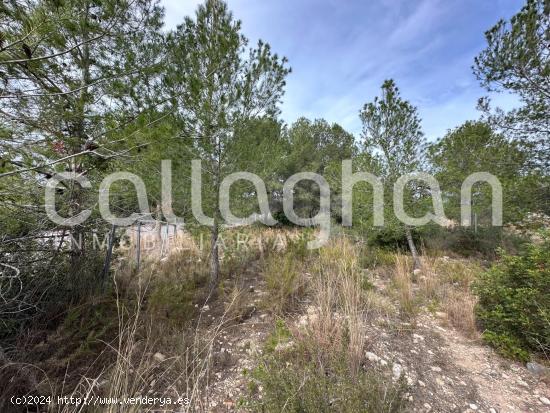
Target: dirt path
[
  {"x": 448, "y": 372},
  {"x": 503, "y": 385}
]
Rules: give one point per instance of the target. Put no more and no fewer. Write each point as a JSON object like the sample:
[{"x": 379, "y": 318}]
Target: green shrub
[
  {"x": 468, "y": 242},
  {"x": 280, "y": 335},
  {"x": 172, "y": 302},
  {"x": 295, "y": 381},
  {"x": 514, "y": 302},
  {"x": 298, "y": 373},
  {"x": 390, "y": 237},
  {"x": 371, "y": 257}
]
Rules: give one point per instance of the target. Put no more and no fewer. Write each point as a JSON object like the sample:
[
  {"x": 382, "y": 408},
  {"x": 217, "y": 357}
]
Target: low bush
[
  {"x": 514, "y": 302},
  {"x": 469, "y": 242},
  {"x": 298, "y": 378},
  {"x": 372, "y": 257}
]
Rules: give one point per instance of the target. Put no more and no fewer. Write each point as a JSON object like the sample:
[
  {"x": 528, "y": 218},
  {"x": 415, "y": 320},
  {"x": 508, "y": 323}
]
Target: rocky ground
[{"x": 445, "y": 371}]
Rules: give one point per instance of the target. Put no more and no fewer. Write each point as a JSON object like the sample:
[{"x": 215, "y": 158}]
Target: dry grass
[
  {"x": 402, "y": 283},
  {"x": 441, "y": 280},
  {"x": 322, "y": 369},
  {"x": 237, "y": 303},
  {"x": 447, "y": 281},
  {"x": 380, "y": 305},
  {"x": 340, "y": 301},
  {"x": 285, "y": 283},
  {"x": 460, "y": 306},
  {"x": 177, "y": 366},
  {"x": 163, "y": 348}
]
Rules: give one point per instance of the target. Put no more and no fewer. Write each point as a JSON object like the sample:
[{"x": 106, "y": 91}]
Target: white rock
[
  {"x": 473, "y": 406},
  {"x": 397, "y": 370},
  {"x": 428, "y": 407},
  {"x": 303, "y": 321},
  {"x": 284, "y": 346},
  {"x": 159, "y": 357},
  {"x": 421, "y": 383},
  {"x": 544, "y": 400},
  {"x": 522, "y": 383},
  {"x": 371, "y": 356},
  {"x": 383, "y": 362},
  {"x": 491, "y": 410},
  {"x": 436, "y": 369}
]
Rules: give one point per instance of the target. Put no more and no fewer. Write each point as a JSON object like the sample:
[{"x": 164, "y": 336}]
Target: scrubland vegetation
[{"x": 447, "y": 316}]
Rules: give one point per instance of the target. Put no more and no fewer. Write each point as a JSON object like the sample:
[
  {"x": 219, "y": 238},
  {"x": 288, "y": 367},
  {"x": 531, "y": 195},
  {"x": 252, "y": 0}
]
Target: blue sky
[{"x": 342, "y": 50}]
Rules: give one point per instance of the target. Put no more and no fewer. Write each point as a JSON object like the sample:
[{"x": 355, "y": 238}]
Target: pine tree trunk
[
  {"x": 214, "y": 253},
  {"x": 412, "y": 247},
  {"x": 214, "y": 258}
]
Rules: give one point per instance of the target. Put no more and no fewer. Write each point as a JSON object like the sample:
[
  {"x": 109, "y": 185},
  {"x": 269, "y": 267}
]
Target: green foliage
[
  {"x": 507, "y": 345},
  {"x": 259, "y": 146},
  {"x": 516, "y": 60},
  {"x": 303, "y": 387},
  {"x": 297, "y": 247},
  {"x": 319, "y": 147},
  {"x": 172, "y": 302},
  {"x": 392, "y": 125},
  {"x": 514, "y": 301},
  {"x": 90, "y": 325},
  {"x": 294, "y": 380},
  {"x": 280, "y": 335},
  {"x": 218, "y": 86},
  {"x": 221, "y": 87},
  {"x": 475, "y": 147},
  {"x": 75, "y": 78},
  {"x": 372, "y": 257},
  {"x": 391, "y": 236},
  {"x": 467, "y": 242}
]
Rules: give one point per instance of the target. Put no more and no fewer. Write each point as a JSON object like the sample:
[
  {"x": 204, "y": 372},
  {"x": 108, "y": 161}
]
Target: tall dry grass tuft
[
  {"x": 320, "y": 367},
  {"x": 133, "y": 370},
  {"x": 460, "y": 309},
  {"x": 447, "y": 282},
  {"x": 163, "y": 348},
  {"x": 402, "y": 284},
  {"x": 339, "y": 298},
  {"x": 176, "y": 366}
]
